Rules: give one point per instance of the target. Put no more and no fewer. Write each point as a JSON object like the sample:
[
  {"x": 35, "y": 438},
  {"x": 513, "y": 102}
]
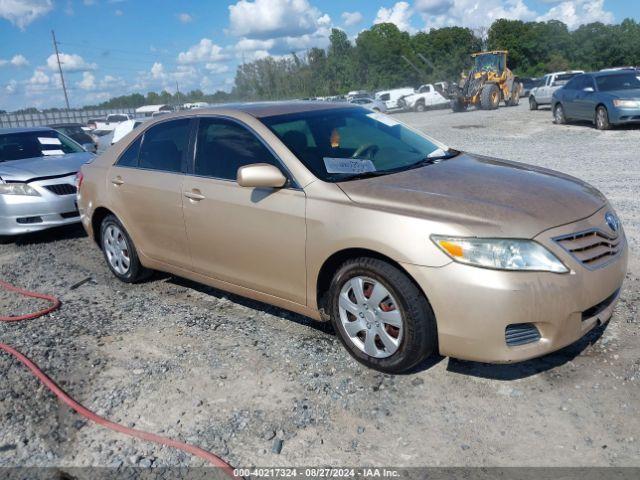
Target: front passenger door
[{"x": 251, "y": 237}]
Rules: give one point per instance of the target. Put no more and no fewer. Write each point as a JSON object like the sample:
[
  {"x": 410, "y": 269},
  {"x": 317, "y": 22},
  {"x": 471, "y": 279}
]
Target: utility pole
[
  {"x": 177, "y": 94},
  {"x": 420, "y": 72},
  {"x": 64, "y": 87}
]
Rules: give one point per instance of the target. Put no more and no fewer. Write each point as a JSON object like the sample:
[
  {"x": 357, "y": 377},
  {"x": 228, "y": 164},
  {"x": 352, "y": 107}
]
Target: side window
[
  {"x": 129, "y": 157},
  {"x": 385, "y": 97},
  {"x": 163, "y": 146},
  {"x": 573, "y": 84},
  {"x": 224, "y": 146}
]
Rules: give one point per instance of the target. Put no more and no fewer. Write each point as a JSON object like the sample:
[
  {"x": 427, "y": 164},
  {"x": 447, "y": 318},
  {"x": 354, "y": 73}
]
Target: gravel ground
[{"x": 237, "y": 377}]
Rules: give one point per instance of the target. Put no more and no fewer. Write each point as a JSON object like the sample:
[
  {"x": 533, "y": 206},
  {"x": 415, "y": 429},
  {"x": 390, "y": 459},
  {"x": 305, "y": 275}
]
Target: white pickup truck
[
  {"x": 426, "y": 97},
  {"x": 111, "y": 122},
  {"x": 541, "y": 95}
]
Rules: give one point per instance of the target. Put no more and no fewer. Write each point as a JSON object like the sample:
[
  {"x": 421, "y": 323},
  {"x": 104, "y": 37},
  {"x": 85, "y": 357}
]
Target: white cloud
[
  {"x": 434, "y": 7},
  {"x": 16, "y": 61},
  {"x": 22, "y": 12},
  {"x": 157, "y": 70},
  {"x": 217, "y": 68},
  {"x": 275, "y": 18},
  {"x": 400, "y": 14},
  {"x": 351, "y": 18},
  {"x": 578, "y": 12},
  {"x": 39, "y": 78},
  {"x": 118, "y": 13},
  {"x": 70, "y": 63},
  {"x": 471, "y": 13},
  {"x": 11, "y": 87},
  {"x": 204, "y": 51},
  {"x": 185, "y": 18},
  {"x": 88, "y": 81}
]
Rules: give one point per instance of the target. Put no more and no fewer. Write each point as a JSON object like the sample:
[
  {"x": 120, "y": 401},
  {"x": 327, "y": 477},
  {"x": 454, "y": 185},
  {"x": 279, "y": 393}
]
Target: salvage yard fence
[{"x": 40, "y": 119}]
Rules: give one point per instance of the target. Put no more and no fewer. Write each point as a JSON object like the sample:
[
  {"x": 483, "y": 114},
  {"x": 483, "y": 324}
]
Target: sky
[{"x": 117, "y": 47}]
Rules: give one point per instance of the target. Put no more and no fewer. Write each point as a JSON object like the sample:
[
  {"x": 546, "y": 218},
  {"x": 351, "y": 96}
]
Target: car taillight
[{"x": 79, "y": 179}]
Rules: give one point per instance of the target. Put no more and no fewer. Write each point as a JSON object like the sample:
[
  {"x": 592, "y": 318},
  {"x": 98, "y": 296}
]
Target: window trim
[{"x": 292, "y": 183}]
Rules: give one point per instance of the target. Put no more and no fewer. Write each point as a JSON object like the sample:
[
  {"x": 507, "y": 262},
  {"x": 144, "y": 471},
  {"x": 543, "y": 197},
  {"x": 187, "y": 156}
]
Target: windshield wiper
[{"x": 436, "y": 159}]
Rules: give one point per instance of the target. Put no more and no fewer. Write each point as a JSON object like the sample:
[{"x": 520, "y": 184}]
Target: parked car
[
  {"x": 111, "y": 121},
  {"x": 125, "y": 127},
  {"x": 528, "y": 84},
  {"x": 38, "y": 169},
  {"x": 605, "y": 98},
  {"x": 92, "y": 123},
  {"x": 75, "y": 131},
  {"x": 426, "y": 97},
  {"x": 370, "y": 103},
  {"x": 542, "y": 94},
  {"x": 407, "y": 246},
  {"x": 391, "y": 97}
]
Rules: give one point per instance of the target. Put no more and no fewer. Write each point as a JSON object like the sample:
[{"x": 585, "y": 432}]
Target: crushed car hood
[
  {"x": 482, "y": 196},
  {"x": 38, "y": 167}
]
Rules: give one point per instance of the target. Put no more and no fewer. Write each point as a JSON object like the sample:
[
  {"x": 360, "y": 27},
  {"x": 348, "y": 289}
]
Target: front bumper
[
  {"x": 473, "y": 306},
  {"x": 23, "y": 214},
  {"x": 623, "y": 116}
]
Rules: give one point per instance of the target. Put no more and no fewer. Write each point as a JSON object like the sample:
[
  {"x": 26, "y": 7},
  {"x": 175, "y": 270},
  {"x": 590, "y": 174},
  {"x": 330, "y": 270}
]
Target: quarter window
[
  {"x": 164, "y": 145},
  {"x": 225, "y": 146},
  {"x": 130, "y": 156}
]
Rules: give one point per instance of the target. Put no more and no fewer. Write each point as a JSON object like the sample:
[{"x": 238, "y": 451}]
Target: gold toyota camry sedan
[{"x": 408, "y": 247}]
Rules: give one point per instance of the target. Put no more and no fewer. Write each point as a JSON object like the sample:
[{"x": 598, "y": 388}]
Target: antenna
[{"x": 64, "y": 87}]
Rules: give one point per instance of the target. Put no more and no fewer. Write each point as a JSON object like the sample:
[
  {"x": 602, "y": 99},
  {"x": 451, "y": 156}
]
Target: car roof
[
  {"x": 4, "y": 131},
  {"x": 270, "y": 109},
  {"x": 608, "y": 73}
]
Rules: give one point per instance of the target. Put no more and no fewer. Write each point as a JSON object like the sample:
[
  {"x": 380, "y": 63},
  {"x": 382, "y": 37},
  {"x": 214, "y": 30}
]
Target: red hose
[{"x": 85, "y": 412}]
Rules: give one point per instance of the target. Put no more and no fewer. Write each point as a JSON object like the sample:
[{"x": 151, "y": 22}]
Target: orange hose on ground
[{"x": 85, "y": 412}]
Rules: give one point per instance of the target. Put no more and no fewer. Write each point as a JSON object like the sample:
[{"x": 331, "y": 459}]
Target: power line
[{"x": 64, "y": 87}]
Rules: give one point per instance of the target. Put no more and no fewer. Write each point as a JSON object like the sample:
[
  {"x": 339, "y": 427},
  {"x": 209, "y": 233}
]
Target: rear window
[
  {"x": 564, "y": 78},
  {"x": 18, "y": 146}
]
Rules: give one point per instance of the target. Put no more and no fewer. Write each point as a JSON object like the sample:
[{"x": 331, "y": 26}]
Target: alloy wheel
[
  {"x": 371, "y": 317},
  {"x": 117, "y": 250}
]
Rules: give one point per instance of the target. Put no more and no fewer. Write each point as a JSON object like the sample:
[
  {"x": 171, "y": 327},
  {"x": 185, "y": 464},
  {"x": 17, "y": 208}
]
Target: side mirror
[
  {"x": 588, "y": 89},
  {"x": 261, "y": 175}
]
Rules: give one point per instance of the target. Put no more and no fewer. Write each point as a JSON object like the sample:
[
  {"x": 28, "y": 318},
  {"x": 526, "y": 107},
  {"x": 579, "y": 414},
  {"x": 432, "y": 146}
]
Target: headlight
[
  {"x": 18, "y": 189},
  {"x": 500, "y": 254},
  {"x": 627, "y": 103}
]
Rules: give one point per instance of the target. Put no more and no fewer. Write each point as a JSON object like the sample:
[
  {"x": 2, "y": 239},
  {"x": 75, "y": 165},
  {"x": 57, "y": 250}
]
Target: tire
[
  {"x": 490, "y": 97},
  {"x": 120, "y": 253},
  {"x": 602, "y": 118},
  {"x": 420, "y": 107},
  {"x": 413, "y": 335},
  {"x": 533, "y": 105},
  {"x": 559, "y": 117},
  {"x": 457, "y": 105}
]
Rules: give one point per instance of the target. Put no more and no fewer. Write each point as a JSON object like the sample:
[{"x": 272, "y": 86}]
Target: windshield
[
  {"x": 489, "y": 62},
  {"x": 17, "y": 146},
  {"x": 626, "y": 81},
  {"x": 338, "y": 144},
  {"x": 563, "y": 78}
]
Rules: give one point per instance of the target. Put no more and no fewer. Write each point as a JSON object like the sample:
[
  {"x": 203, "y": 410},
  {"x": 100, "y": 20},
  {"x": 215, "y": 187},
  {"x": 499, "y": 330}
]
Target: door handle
[
  {"x": 117, "y": 181},
  {"x": 193, "y": 195}
]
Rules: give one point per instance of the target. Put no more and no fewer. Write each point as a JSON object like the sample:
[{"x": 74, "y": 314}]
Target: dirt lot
[{"x": 234, "y": 376}]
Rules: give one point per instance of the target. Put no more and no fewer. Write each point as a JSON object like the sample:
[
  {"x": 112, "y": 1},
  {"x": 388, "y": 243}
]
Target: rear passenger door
[
  {"x": 145, "y": 187},
  {"x": 251, "y": 237}
]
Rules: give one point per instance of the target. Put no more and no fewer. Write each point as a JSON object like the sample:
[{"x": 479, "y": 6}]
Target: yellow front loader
[{"x": 488, "y": 83}]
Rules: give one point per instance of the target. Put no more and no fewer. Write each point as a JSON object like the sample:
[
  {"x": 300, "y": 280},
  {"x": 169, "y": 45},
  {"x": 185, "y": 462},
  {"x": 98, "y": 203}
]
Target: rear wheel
[
  {"x": 120, "y": 253},
  {"x": 533, "y": 105},
  {"x": 490, "y": 97},
  {"x": 602, "y": 118},
  {"x": 559, "y": 116},
  {"x": 382, "y": 318}
]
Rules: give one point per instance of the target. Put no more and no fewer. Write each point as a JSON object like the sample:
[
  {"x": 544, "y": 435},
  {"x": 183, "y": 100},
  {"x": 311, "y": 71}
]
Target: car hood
[
  {"x": 632, "y": 94},
  {"x": 38, "y": 167},
  {"x": 481, "y": 196}
]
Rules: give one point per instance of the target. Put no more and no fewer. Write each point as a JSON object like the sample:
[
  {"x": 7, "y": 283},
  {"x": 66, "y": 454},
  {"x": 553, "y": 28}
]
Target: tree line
[{"x": 384, "y": 57}]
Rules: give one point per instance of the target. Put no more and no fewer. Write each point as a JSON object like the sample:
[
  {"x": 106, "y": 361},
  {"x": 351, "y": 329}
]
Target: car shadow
[
  {"x": 516, "y": 371},
  {"x": 324, "y": 327},
  {"x": 66, "y": 232}
]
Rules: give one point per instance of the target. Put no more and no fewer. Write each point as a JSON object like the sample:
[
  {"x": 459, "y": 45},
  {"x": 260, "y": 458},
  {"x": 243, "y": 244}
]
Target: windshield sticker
[
  {"x": 382, "y": 118},
  {"x": 348, "y": 165},
  {"x": 49, "y": 141},
  {"x": 52, "y": 152}
]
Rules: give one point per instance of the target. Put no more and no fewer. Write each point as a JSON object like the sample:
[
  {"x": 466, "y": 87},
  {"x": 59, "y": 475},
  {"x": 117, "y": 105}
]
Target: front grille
[
  {"x": 593, "y": 248},
  {"x": 600, "y": 307},
  {"x": 62, "y": 189},
  {"x": 521, "y": 334}
]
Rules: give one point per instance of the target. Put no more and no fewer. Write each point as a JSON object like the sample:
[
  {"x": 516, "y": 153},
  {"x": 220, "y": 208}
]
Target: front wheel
[
  {"x": 420, "y": 107},
  {"x": 533, "y": 105},
  {"x": 120, "y": 253},
  {"x": 559, "y": 116},
  {"x": 381, "y": 316},
  {"x": 490, "y": 97},
  {"x": 602, "y": 119}
]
